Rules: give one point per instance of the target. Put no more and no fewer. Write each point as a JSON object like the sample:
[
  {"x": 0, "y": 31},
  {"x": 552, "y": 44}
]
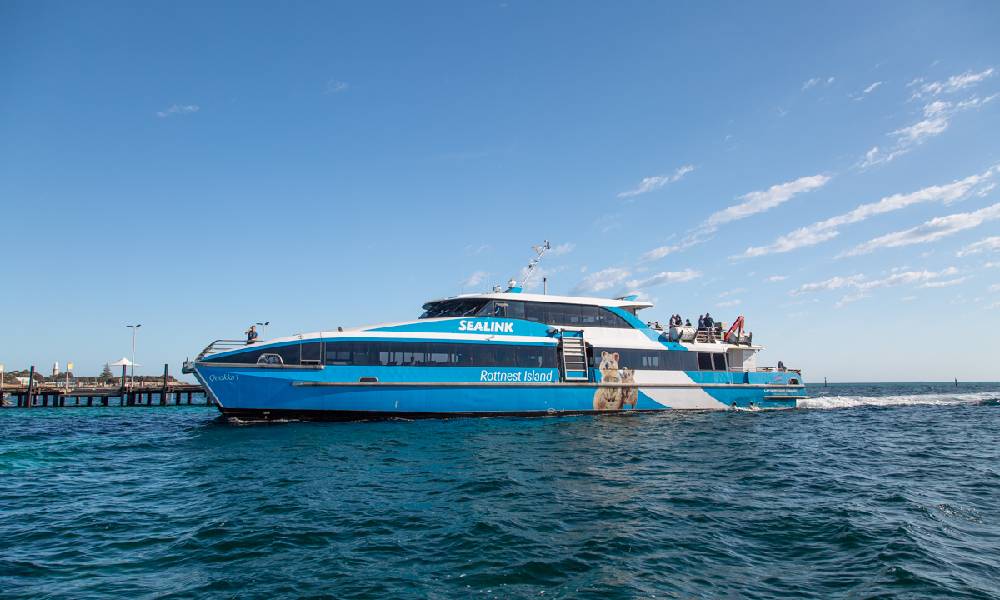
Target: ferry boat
[{"x": 500, "y": 353}]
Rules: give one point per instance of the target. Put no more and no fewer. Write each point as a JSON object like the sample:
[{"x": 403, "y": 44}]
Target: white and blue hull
[
  {"x": 553, "y": 356},
  {"x": 336, "y": 393}
]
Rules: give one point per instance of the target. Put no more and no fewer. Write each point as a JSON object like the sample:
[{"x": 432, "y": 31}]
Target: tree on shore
[{"x": 106, "y": 374}]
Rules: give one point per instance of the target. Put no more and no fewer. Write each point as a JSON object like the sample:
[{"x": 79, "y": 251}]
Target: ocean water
[{"x": 888, "y": 490}]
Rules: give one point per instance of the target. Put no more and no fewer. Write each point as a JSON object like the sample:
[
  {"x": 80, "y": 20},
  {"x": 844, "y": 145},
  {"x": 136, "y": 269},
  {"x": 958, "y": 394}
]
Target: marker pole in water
[
  {"x": 824, "y": 382},
  {"x": 31, "y": 382}
]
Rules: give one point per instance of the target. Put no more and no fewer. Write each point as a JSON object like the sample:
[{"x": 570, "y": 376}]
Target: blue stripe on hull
[{"x": 272, "y": 389}]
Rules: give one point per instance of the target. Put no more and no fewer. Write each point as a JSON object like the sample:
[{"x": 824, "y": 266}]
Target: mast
[{"x": 540, "y": 250}]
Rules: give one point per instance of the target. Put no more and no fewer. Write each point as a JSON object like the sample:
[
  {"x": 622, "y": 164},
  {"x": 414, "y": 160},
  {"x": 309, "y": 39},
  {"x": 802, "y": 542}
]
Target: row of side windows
[
  {"x": 550, "y": 313},
  {"x": 556, "y": 313},
  {"x": 664, "y": 360},
  {"x": 401, "y": 354}
]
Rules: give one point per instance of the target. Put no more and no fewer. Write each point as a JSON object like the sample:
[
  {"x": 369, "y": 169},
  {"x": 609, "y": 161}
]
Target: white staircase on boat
[{"x": 574, "y": 358}]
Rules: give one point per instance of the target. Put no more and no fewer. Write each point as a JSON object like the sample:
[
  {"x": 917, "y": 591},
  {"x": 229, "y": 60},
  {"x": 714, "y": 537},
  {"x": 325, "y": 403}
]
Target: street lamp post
[
  {"x": 263, "y": 328},
  {"x": 131, "y": 377}
]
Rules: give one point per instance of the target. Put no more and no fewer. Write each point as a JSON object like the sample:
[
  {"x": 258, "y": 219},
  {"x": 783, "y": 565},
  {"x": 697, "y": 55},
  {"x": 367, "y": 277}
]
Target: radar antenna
[{"x": 540, "y": 251}]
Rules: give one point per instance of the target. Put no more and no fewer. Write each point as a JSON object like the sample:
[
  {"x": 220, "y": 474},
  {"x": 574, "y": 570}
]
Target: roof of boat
[{"x": 628, "y": 302}]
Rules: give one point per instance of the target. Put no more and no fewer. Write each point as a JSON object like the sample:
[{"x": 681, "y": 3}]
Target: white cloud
[
  {"x": 950, "y": 85},
  {"x": 664, "y": 277},
  {"x": 562, "y": 249},
  {"x": 945, "y": 283},
  {"x": 776, "y": 278},
  {"x": 728, "y": 303},
  {"x": 760, "y": 201},
  {"x": 936, "y": 118},
  {"x": 833, "y": 283},
  {"x": 648, "y": 184},
  {"x": 821, "y": 231},
  {"x": 731, "y": 292},
  {"x": 994, "y": 288},
  {"x": 814, "y": 81},
  {"x": 868, "y": 90},
  {"x": 475, "y": 279},
  {"x": 178, "y": 109},
  {"x": 990, "y": 244},
  {"x": 929, "y": 231},
  {"x": 335, "y": 87},
  {"x": 476, "y": 250},
  {"x": 861, "y": 287},
  {"x": 753, "y": 203},
  {"x": 602, "y": 281}
]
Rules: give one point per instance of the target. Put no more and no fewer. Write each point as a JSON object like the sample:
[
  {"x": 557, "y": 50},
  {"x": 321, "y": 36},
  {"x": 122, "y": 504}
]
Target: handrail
[{"x": 221, "y": 346}]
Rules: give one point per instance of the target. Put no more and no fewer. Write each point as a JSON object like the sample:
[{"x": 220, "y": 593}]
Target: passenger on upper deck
[
  {"x": 709, "y": 321},
  {"x": 251, "y": 334},
  {"x": 687, "y": 322},
  {"x": 701, "y": 321}
]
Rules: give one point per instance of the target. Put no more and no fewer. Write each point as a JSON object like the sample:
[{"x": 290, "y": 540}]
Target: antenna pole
[{"x": 539, "y": 252}]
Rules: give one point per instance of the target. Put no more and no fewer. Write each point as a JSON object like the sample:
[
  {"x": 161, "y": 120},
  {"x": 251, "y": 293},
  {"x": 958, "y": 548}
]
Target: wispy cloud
[
  {"x": 473, "y": 250},
  {"x": 821, "y": 231},
  {"x": 752, "y": 203},
  {"x": 648, "y": 184},
  {"x": 178, "y": 109},
  {"x": 776, "y": 278},
  {"x": 871, "y": 88},
  {"x": 945, "y": 283},
  {"x": 602, "y": 281},
  {"x": 757, "y": 202},
  {"x": 951, "y": 85},
  {"x": 731, "y": 292},
  {"x": 815, "y": 81},
  {"x": 335, "y": 86},
  {"x": 562, "y": 249},
  {"x": 614, "y": 280},
  {"x": 475, "y": 279},
  {"x": 664, "y": 277},
  {"x": 929, "y": 231},
  {"x": 728, "y": 303},
  {"x": 937, "y": 116},
  {"x": 990, "y": 244},
  {"x": 860, "y": 286}
]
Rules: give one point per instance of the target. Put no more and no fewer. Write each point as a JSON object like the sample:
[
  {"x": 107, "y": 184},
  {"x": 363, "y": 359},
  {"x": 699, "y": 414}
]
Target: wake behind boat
[{"x": 496, "y": 353}]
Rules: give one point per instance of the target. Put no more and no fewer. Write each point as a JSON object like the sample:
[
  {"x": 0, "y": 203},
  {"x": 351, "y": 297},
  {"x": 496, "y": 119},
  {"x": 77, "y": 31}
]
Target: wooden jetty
[{"x": 137, "y": 394}]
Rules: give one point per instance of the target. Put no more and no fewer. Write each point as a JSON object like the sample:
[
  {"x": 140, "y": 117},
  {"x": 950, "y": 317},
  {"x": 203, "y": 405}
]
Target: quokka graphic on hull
[{"x": 504, "y": 352}]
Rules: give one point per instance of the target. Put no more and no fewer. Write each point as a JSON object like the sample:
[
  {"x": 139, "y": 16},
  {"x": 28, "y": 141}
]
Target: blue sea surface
[{"x": 870, "y": 490}]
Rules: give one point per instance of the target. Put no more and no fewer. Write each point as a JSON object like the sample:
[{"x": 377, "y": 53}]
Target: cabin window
[
  {"x": 572, "y": 315},
  {"x": 720, "y": 361},
  {"x": 289, "y": 354},
  {"x": 658, "y": 360},
  {"x": 453, "y": 308},
  {"x": 434, "y": 354},
  {"x": 312, "y": 353},
  {"x": 705, "y": 361}
]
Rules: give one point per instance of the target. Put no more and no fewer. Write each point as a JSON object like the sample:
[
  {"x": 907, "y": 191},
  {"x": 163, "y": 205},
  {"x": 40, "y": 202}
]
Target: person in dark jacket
[{"x": 251, "y": 334}]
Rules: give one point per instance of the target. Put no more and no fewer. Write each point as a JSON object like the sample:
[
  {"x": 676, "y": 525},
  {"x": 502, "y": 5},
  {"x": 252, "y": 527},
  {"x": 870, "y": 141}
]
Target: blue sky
[{"x": 826, "y": 170}]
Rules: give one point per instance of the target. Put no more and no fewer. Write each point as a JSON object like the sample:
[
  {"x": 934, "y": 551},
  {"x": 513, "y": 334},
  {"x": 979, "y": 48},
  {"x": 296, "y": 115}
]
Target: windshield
[{"x": 453, "y": 308}]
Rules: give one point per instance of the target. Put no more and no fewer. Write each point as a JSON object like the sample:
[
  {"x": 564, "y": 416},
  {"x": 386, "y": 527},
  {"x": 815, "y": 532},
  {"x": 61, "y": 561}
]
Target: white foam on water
[{"x": 936, "y": 399}]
